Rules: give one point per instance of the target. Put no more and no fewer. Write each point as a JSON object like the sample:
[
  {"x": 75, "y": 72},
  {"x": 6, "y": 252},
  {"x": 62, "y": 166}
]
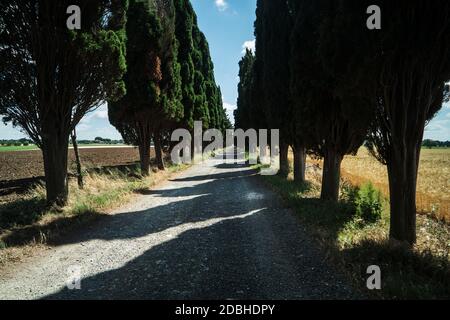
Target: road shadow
[
  {"x": 184, "y": 208},
  {"x": 200, "y": 263},
  {"x": 181, "y": 205},
  {"x": 220, "y": 176},
  {"x": 222, "y": 258}
]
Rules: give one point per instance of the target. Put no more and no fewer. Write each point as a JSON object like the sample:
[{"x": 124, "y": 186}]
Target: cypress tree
[
  {"x": 152, "y": 80},
  {"x": 243, "y": 114},
  {"x": 332, "y": 125},
  {"x": 50, "y": 76},
  {"x": 401, "y": 70},
  {"x": 273, "y": 27}
]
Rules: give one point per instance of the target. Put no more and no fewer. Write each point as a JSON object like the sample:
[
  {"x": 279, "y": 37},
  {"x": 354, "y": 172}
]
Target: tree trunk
[
  {"x": 402, "y": 171},
  {"x": 284, "y": 161},
  {"x": 299, "y": 164},
  {"x": 77, "y": 159},
  {"x": 55, "y": 147},
  {"x": 331, "y": 176},
  {"x": 159, "y": 151},
  {"x": 144, "y": 155},
  {"x": 144, "y": 148}
]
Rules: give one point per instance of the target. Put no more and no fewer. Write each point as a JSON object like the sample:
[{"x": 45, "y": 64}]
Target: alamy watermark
[
  {"x": 258, "y": 144},
  {"x": 74, "y": 20},
  {"x": 374, "y": 20},
  {"x": 73, "y": 281},
  {"x": 374, "y": 280}
]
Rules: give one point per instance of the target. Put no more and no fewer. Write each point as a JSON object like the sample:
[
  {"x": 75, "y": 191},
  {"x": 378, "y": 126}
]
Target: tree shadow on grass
[
  {"x": 405, "y": 273},
  {"x": 21, "y": 212},
  {"x": 48, "y": 232},
  {"x": 329, "y": 215}
]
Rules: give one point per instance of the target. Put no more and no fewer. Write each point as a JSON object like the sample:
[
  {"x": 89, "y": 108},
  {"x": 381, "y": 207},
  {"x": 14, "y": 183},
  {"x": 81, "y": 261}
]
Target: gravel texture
[{"x": 213, "y": 232}]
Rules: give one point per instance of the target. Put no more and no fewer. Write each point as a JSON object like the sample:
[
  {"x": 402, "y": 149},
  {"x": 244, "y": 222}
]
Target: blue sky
[{"x": 228, "y": 26}]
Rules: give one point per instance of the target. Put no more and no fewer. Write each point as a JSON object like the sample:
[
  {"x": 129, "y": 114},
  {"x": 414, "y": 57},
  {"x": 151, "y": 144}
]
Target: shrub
[
  {"x": 349, "y": 192},
  {"x": 369, "y": 203}
]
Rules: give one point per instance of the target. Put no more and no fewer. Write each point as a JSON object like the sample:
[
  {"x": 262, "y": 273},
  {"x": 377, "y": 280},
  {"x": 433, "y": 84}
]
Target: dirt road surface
[{"x": 213, "y": 232}]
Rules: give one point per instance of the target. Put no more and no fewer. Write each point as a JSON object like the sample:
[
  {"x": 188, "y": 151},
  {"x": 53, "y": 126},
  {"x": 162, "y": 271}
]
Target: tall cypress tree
[
  {"x": 153, "y": 77},
  {"x": 243, "y": 114},
  {"x": 202, "y": 100},
  {"x": 272, "y": 30},
  {"x": 50, "y": 76},
  {"x": 184, "y": 33},
  {"x": 332, "y": 125}
]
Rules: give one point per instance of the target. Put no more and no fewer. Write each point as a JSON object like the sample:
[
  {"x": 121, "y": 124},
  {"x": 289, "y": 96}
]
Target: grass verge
[
  {"x": 25, "y": 223},
  {"x": 354, "y": 244}
]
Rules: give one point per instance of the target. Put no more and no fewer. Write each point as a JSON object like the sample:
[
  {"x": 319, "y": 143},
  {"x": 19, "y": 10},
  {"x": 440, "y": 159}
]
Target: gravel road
[{"x": 213, "y": 232}]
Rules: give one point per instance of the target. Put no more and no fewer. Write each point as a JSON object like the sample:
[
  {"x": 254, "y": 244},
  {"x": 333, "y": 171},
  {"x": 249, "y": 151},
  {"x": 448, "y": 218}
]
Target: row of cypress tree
[
  {"x": 170, "y": 77},
  {"x": 147, "y": 58},
  {"x": 330, "y": 85}
]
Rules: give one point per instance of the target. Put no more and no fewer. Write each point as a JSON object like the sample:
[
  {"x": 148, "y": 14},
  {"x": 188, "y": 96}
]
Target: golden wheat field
[{"x": 433, "y": 185}]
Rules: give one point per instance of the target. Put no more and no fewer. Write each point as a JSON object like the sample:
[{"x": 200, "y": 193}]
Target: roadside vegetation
[{"x": 355, "y": 233}]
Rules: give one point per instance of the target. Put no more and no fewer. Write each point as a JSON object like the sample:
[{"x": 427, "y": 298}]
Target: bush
[
  {"x": 349, "y": 192},
  {"x": 369, "y": 203},
  {"x": 366, "y": 201}
]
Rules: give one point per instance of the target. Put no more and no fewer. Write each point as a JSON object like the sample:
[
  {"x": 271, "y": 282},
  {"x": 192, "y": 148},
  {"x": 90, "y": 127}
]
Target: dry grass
[
  {"x": 433, "y": 185},
  {"x": 102, "y": 193}
]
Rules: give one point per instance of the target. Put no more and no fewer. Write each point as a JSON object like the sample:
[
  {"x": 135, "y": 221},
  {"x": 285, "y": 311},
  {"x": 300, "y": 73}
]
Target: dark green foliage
[
  {"x": 59, "y": 62},
  {"x": 369, "y": 203},
  {"x": 244, "y": 115},
  {"x": 153, "y": 79},
  {"x": 274, "y": 47},
  {"x": 170, "y": 79},
  {"x": 274, "y": 21},
  {"x": 333, "y": 124},
  {"x": 202, "y": 99},
  {"x": 366, "y": 200},
  {"x": 428, "y": 143}
]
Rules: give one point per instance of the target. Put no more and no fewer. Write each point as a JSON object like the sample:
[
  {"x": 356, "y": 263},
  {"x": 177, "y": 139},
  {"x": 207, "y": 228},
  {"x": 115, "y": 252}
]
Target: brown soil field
[{"x": 17, "y": 165}]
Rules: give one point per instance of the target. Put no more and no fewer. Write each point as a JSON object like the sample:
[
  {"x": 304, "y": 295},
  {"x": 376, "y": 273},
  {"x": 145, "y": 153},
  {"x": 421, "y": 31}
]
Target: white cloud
[
  {"x": 222, "y": 5},
  {"x": 229, "y": 108},
  {"x": 101, "y": 112},
  {"x": 248, "y": 45},
  {"x": 438, "y": 129},
  {"x": 83, "y": 127}
]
